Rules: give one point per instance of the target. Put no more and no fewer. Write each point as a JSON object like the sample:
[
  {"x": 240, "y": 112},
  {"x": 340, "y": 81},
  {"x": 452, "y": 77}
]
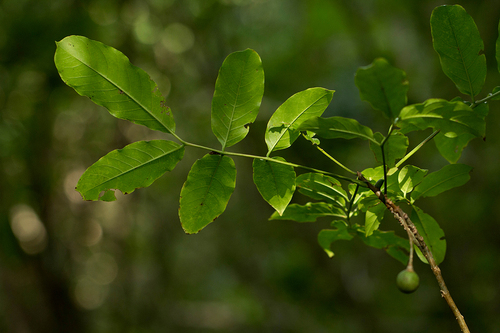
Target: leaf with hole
[
  {"x": 457, "y": 123},
  {"x": 238, "y": 93},
  {"x": 107, "y": 77},
  {"x": 282, "y": 128},
  {"x": 337, "y": 128},
  {"x": 206, "y": 192},
  {"x": 136, "y": 165}
]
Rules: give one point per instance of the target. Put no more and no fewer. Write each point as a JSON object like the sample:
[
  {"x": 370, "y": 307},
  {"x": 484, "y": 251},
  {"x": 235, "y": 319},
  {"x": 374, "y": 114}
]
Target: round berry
[{"x": 407, "y": 281}]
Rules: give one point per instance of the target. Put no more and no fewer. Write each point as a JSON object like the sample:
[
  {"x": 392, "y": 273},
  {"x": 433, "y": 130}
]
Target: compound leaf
[
  {"x": 457, "y": 41},
  {"x": 337, "y": 127},
  {"x": 206, "y": 192},
  {"x": 383, "y": 86},
  {"x": 275, "y": 182},
  {"x": 450, "y": 176},
  {"x": 136, "y": 165},
  {"x": 238, "y": 93},
  {"x": 432, "y": 233},
  {"x": 107, "y": 77},
  {"x": 309, "y": 212},
  {"x": 282, "y": 128}
]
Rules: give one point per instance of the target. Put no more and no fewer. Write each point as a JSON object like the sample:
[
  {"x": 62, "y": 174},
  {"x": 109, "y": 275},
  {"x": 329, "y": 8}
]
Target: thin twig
[{"x": 405, "y": 221}]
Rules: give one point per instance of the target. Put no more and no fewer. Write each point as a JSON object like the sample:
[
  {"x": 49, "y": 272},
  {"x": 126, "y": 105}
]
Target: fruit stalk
[{"x": 418, "y": 240}]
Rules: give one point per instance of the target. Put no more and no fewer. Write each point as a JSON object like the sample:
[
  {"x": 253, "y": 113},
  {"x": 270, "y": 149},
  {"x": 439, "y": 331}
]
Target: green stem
[
  {"x": 385, "y": 169},
  {"x": 335, "y": 161},
  {"x": 414, "y": 150},
  {"x": 391, "y": 128},
  {"x": 266, "y": 158},
  {"x": 351, "y": 203},
  {"x": 487, "y": 98}
]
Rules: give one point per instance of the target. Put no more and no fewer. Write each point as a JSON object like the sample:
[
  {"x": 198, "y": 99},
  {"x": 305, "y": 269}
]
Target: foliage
[{"x": 106, "y": 76}]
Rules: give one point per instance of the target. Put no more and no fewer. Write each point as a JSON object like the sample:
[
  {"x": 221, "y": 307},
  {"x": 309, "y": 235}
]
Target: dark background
[{"x": 72, "y": 266}]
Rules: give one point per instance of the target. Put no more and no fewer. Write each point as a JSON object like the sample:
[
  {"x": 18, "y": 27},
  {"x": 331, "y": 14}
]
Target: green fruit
[
  {"x": 379, "y": 183},
  {"x": 407, "y": 281}
]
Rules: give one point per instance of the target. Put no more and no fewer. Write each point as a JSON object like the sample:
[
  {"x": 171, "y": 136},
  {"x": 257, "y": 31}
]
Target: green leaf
[
  {"x": 394, "y": 148},
  {"x": 238, "y": 93},
  {"x": 494, "y": 91},
  {"x": 373, "y": 217},
  {"x": 136, "y": 165},
  {"x": 409, "y": 177},
  {"x": 308, "y": 212},
  {"x": 322, "y": 187},
  {"x": 456, "y": 39},
  {"x": 457, "y": 122},
  {"x": 431, "y": 232},
  {"x": 450, "y": 176},
  {"x": 310, "y": 137},
  {"x": 206, "y": 192},
  {"x": 275, "y": 182},
  {"x": 282, "y": 128},
  {"x": 327, "y": 236},
  {"x": 106, "y": 76},
  {"x": 383, "y": 86},
  {"x": 337, "y": 127},
  {"x": 374, "y": 174},
  {"x": 395, "y": 246}
]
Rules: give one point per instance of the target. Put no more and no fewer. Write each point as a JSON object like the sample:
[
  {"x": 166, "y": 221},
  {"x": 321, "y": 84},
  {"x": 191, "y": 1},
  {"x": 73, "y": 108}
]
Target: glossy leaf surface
[
  {"x": 309, "y": 212},
  {"x": 322, "y": 187},
  {"x": 136, "y": 165},
  {"x": 373, "y": 217},
  {"x": 282, "y": 128},
  {"x": 237, "y": 97},
  {"x": 450, "y": 176},
  {"x": 409, "y": 177},
  {"x": 457, "y": 122},
  {"x": 337, "y": 128},
  {"x": 206, "y": 192},
  {"x": 275, "y": 182},
  {"x": 457, "y": 41},
  {"x": 432, "y": 233},
  {"x": 383, "y": 86},
  {"x": 107, "y": 77}
]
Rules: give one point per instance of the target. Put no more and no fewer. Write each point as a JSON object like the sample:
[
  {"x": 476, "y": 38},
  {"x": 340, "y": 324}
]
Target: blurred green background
[{"x": 72, "y": 266}]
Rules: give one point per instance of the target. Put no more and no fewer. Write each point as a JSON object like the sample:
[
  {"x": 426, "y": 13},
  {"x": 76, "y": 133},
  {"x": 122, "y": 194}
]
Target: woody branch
[{"x": 418, "y": 240}]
